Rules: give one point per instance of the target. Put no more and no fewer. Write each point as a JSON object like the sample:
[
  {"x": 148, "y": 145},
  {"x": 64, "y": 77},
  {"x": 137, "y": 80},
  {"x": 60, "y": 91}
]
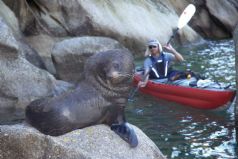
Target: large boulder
[
  {"x": 132, "y": 23},
  {"x": 96, "y": 142},
  {"x": 9, "y": 17},
  {"x": 25, "y": 50},
  {"x": 213, "y": 19},
  {"x": 9, "y": 45},
  {"x": 20, "y": 81},
  {"x": 69, "y": 55},
  {"x": 43, "y": 44},
  {"x": 225, "y": 11}
]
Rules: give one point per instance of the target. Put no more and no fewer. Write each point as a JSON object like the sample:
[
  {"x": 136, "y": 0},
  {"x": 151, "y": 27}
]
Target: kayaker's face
[{"x": 154, "y": 50}]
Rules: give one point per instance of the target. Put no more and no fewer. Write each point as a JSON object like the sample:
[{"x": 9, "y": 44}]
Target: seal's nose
[
  {"x": 113, "y": 76},
  {"x": 117, "y": 78}
]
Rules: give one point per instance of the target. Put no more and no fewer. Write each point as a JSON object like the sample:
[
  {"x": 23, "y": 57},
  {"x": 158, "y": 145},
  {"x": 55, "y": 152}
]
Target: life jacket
[{"x": 159, "y": 68}]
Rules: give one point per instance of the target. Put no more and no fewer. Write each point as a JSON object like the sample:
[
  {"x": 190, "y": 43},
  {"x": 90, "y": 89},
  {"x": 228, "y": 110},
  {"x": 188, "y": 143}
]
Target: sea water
[{"x": 181, "y": 132}]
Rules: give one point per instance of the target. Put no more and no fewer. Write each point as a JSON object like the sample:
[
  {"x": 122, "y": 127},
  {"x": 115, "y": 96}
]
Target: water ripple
[{"x": 185, "y": 133}]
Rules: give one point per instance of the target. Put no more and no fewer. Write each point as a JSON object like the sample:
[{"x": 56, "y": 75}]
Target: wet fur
[{"x": 100, "y": 98}]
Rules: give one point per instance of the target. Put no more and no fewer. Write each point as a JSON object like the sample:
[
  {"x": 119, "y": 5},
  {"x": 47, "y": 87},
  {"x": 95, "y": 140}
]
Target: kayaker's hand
[
  {"x": 169, "y": 47},
  {"x": 142, "y": 84},
  {"x": 177, "y": 55}
]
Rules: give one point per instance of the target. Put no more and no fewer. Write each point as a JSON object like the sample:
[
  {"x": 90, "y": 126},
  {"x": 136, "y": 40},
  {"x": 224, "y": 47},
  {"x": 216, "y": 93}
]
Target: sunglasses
[{"x": 151, "y": 47}]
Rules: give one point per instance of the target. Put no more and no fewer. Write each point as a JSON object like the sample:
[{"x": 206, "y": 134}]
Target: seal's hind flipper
[{"x": 126, "y": 132}]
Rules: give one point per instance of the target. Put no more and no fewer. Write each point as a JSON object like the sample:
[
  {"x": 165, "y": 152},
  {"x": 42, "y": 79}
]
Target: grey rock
[
  {"x": 225, "y": 11},
  {"x": 132, "y": 23},
  {"x": 9, "y": 45},
  {"x": 31, "y": 55},
  {"x": 96, "y": 142},
  {"x": 20, "y": 81},
  {"x": 213, "y": 19},
  {"x": 69, "y": 55},
  {"x": 10, "y": 19},
  {"x": 43, "y": 44},
  {"x": 11, "y": 36}
]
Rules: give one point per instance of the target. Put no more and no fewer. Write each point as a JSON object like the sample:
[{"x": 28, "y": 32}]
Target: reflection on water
[
  {"x": 187, "y": 133},
  {"x": 216, "y": 61}
]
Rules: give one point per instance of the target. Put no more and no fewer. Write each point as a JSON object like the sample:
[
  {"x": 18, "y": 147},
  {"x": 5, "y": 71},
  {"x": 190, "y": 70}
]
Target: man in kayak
[{"x": 156, "y": 65}]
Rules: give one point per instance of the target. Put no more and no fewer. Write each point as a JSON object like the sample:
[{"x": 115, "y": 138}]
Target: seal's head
[{"x": 111, "y": 70}]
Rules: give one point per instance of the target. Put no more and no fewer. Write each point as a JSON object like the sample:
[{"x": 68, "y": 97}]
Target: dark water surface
[{"x": 186, "y": 133}]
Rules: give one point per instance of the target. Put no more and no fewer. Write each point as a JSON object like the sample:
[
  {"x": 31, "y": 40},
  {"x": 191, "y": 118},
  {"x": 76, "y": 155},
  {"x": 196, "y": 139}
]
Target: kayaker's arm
[
  {"x": 177, "y": 55},
  {"x": 145, "y": 79}
]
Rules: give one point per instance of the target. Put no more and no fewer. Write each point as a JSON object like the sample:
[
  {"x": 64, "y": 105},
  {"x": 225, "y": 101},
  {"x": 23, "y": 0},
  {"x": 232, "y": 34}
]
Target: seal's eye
[{"x": 116, "y": 65}]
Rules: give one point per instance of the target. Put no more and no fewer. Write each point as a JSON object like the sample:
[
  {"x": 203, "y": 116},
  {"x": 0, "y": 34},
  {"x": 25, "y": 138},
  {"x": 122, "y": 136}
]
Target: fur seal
[{"x": 99, "y": 99}]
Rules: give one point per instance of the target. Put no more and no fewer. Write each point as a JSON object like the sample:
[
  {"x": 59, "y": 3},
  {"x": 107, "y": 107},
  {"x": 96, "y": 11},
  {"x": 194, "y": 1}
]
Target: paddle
[
  {"x": 133, "y": 92},
  {"x": 183, "y": 20}
]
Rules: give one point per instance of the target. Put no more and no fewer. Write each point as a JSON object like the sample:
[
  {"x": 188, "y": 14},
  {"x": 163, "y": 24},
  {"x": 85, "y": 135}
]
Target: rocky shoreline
[{"x": 43, "y": 44}]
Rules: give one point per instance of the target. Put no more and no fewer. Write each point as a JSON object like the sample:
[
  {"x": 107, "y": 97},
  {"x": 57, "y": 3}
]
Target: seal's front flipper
[{"x": 126, "y": 132}]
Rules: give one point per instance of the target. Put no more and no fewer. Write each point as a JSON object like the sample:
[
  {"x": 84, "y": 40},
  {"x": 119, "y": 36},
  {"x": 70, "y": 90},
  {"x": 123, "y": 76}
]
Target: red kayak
[{"x": 190, "y": 96}]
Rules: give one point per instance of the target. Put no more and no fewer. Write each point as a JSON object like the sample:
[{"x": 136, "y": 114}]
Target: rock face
[
  {"x": 30, "y": 30},
  {"x": 96, "y": 142},
  {"x": 225, "y": 11},
  {"x": 72, "y": 53},
  {"x": 43, "y": 45},
  {"x": 213, "y": 19},
  {"x": 20, "y": 81},
  {"x": 9, "y": 17},
  {"x": 131, "y": 23}
]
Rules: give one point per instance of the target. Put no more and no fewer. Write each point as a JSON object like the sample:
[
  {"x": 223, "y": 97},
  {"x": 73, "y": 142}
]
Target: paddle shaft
[
  {"x": 131, "y": 96},
  {"x": 183, "y": 19},
  {"x": 172, "y": 36}
]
